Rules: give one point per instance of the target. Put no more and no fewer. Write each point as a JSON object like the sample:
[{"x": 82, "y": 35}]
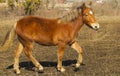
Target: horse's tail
[{"x": 8, "y": 39}]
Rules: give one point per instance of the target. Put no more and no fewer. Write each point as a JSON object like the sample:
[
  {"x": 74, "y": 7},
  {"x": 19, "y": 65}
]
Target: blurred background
[{"x": 56, "y": 7}]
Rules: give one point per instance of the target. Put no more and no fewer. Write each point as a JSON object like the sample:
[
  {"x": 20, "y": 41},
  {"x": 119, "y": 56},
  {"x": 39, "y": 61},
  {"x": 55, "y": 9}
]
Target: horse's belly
[{"x": 46, "y": 41}]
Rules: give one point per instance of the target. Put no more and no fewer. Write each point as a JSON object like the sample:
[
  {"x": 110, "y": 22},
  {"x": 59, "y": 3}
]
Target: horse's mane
[{"x": 72, "y": 15}]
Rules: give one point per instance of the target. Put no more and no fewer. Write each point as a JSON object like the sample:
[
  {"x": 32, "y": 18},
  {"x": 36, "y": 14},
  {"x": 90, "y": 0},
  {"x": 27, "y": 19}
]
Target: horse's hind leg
[
  {"x": 76, "y": 46},
  {"x": 28, "y": 53},
  {"x": 17, "y": 55}
]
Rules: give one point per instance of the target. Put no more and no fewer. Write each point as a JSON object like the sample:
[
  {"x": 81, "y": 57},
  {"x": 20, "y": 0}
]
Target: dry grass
[{"x": 108, "y": 19}]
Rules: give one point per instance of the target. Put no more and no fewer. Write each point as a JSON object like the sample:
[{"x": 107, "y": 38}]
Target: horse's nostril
[{"x": 96, "y": 27}]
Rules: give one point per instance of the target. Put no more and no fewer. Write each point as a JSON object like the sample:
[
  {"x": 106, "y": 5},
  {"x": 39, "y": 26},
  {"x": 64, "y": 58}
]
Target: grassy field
[{"x": 101, "y": 51}]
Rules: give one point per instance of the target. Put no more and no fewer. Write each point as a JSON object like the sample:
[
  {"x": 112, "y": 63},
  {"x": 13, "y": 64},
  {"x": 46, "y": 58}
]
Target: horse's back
[{"x": 36, "y": 29}]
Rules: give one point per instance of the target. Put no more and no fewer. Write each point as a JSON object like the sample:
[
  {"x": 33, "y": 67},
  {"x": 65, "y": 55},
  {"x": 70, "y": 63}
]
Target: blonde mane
[{"x": 72, "y": 15}]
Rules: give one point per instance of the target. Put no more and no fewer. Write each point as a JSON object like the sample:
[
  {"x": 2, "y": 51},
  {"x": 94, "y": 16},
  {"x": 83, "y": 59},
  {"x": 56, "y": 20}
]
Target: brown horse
[{"x": 60, "y": 32}]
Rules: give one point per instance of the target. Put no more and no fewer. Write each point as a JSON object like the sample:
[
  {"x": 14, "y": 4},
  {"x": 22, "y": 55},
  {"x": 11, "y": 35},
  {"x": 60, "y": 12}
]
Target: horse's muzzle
[{"x": 95, "y": 26}]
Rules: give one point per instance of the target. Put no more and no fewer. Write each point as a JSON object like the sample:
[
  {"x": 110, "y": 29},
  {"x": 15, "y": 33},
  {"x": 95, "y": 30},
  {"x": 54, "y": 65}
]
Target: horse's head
[{"x": 89, "y": 17}]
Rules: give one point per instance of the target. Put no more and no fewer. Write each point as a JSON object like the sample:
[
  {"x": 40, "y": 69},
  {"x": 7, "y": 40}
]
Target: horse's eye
[{"x": 86, "y": 14}]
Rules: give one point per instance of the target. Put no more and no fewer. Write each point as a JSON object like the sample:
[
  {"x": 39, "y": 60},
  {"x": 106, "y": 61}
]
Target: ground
[{"x": 101, "y": 54}]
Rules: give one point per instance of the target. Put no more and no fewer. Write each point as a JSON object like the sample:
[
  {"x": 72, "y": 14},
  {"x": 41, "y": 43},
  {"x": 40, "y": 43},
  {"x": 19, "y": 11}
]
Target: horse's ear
[
  {"x": 90, "y": 3},
  {"x": 83, "y": 5}
]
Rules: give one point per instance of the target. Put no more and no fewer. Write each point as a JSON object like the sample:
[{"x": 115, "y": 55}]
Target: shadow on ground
[{"x": 29, "y": 65}]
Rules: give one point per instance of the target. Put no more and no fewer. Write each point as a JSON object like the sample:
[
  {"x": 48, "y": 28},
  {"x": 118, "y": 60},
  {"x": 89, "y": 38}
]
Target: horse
[{"x": 59, "y": 32}]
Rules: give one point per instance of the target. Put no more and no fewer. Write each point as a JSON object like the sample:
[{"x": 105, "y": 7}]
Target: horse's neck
[{"x": 77, "y": 24}]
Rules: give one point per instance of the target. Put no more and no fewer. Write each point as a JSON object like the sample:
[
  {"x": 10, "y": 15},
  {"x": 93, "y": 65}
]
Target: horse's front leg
[
  {"x": 60, "y": 56},
  {"x": 76, "y": 46}
]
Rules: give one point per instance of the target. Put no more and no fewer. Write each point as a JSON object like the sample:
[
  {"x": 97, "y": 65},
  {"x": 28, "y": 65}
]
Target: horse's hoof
[
  {"x": 40, "y": 70},
  {"x": 17, "y": 71},
  {"x": 61, "y": 70},
  {"x": 77, "y": 65}
]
